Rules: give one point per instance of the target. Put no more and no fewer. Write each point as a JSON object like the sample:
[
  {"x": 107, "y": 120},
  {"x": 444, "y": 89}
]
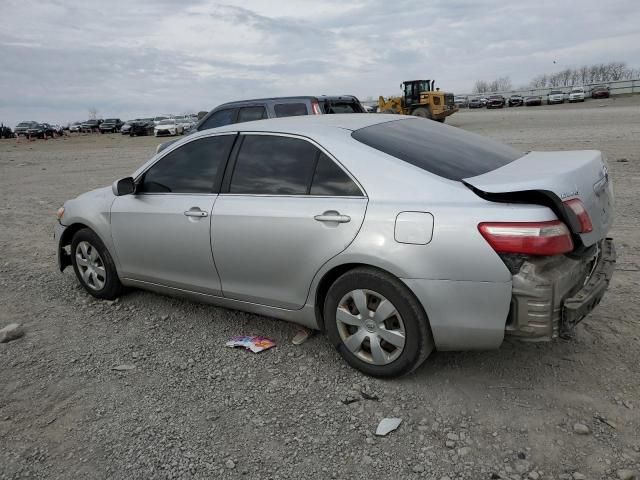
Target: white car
[
  {"x": 186, "y": 122},
  {"x": 555, "y": 96},
  {"x": 168, "y": 127},
  {"x": 576, "y": 95}
]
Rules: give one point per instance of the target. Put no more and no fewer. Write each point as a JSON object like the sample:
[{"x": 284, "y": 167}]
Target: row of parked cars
[
  {"x": 34, "y": 129},
  {"x": 158, "y": 126},
  {"x": 576, "y": 94}
]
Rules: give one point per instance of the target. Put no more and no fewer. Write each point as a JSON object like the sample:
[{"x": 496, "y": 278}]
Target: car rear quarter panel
[{"x": 463, "y": 285}]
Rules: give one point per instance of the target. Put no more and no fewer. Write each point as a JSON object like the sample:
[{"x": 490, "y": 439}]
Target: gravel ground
[{"x": 191, "y": 408}]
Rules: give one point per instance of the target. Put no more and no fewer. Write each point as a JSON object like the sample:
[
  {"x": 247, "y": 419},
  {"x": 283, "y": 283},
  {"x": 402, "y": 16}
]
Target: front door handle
[
  {"x": 195, "y": 212},
  {"x": 332, "y": 216}
]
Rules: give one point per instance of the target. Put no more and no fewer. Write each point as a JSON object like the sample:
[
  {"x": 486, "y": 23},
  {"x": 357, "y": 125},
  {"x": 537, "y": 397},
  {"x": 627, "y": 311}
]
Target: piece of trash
[
  {"x": 251, "y": 342},
  {"x": 11, "y": 332},
  {"x": 387, "y": 425},
  {"x": 605, "y": 421},
  {"x": 622, "y": 160},
  {"x": 349, "y": 400},
  {"x": 123, "y": 368},
  {"x": 369, "y": 396},
  {"x": 301, "y": 336}
]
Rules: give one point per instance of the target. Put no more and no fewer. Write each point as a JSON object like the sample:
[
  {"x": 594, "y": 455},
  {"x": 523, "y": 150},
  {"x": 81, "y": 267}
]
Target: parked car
[
  {"x": 483, "y": 101},
  {"x": 495, "y": 101},
  {"x": 533, "y": 101},
  {"x": 22, "y": 127},
  {"x": 57, "y": 129},
  {"x": 516, "y": 101},
  {"x": 451, "y": 255},
  {"x": 6, "y": 132},
  {"x": 186, "y": 122},
  {"x": 75, "y": 127},
  {"x": 111, "y": 125},
  {"x": 475, "y": 102},
  {"x": 576, "y": 95},
  {"x": 261, "y": 108},
  {"x": 461, "y": 101},
  {"x": 142, "y": 128},
  {"x": 126, "y": 127},
  {"x": 40, "y": 130},
  {"x": 168, "y": 127},
  {"x": 555, "y": 96},
  {"x": 92, "y": 125},
  {"x": 600, "y": 91}
]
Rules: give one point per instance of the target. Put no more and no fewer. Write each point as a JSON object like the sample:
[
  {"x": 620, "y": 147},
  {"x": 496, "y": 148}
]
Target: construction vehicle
[{"x": 420, "y": 98}]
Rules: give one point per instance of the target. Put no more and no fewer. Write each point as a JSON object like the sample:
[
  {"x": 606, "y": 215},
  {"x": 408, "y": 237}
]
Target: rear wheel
[
  {"x": 376, "y": 323},
  {"x": 94, "y": 266},
  {"x": 421, "y": 112},
  {"x": 441, "y": 120}
]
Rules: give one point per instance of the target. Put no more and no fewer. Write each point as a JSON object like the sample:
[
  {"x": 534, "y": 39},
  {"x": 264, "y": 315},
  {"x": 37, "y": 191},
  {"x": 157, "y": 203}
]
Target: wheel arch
[
  {"x": 335, "y": 272},
  {"x": 67, "y": 237}
]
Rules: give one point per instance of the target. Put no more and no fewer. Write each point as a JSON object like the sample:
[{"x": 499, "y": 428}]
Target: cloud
[{"x": 58, "y": 58}]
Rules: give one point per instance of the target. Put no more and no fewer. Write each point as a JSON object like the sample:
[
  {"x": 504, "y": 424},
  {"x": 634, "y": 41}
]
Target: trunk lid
[{"x": 556, "y": 177}]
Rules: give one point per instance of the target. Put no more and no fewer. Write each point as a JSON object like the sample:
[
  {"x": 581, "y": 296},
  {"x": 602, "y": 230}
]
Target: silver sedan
[{"x": 394, "y": 235}]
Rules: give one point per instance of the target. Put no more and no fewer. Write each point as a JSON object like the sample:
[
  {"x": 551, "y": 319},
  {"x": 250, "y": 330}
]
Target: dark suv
[
  {"x": 248, "y": 110},
  {"x": 111, "y": 125}
]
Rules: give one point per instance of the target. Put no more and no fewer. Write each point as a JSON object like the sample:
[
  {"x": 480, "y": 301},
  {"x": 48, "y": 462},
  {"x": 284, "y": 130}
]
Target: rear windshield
[
  {"x": 439, "y": 149},
  {"x": 290, "y": 109}
]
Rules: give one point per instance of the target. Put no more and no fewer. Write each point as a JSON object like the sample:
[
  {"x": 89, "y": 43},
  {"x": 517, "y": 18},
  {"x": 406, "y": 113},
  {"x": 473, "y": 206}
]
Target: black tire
[
  {"x": 418, "y": 338},
  {"x": 421, "y": 112},
  {"x": 112, "y": 287},
  {"x": 441, "y": 120}
]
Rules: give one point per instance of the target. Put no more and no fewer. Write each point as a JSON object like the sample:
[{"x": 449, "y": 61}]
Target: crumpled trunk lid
[{"x": 557, "y": 177}]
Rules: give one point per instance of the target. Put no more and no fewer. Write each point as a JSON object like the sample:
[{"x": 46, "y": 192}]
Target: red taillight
[
  {"x": 577, "y": 207},
  {"x": 530, "y": 238},
  {"x": 316, "y": 108}
]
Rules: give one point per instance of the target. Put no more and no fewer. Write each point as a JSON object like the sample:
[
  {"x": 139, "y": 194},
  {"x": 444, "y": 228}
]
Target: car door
[
  {"x": 162, "y": 233},
  {"x": 287, "y": 208}
]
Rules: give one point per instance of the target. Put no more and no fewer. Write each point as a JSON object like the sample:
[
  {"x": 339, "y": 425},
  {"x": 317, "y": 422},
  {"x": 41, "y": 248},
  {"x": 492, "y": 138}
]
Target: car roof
[{"x": 308, "y": 124}]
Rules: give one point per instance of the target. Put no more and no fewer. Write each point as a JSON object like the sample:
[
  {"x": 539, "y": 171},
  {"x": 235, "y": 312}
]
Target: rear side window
[
  {"x": 330, "y": 180},
  {"x": 290, "y": 109},
  {"x": 440, "y": 149},
  {"x": 273, "y": 165},
  {"x": 195, "y": 167},
  {"x": 247, "y": 114},
  {"x": 219, "y": 119},
  {"x": 341, "y": 107}
]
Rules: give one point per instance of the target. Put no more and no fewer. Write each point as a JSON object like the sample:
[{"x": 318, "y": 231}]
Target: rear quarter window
[
  {"x": 445, "y": 151},
  {"x": 290, "y": 109}
]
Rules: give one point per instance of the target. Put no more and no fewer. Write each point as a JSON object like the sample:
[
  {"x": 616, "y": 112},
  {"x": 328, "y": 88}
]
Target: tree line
[{"x": 586, "y": 74}]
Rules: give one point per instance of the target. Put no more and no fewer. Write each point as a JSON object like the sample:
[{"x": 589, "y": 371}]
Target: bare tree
[
  {"x": 93, "y": 113},
  {"x": 480, "y": 86},
  {"x": 498, "y": 85}
]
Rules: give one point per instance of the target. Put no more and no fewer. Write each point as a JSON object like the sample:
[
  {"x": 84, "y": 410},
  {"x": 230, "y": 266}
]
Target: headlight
[{"x": 60, "y": 213}]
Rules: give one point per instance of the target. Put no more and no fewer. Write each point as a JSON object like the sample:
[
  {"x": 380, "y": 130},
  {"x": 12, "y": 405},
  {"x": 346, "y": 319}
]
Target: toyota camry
[{"x": 395, "y": 235}]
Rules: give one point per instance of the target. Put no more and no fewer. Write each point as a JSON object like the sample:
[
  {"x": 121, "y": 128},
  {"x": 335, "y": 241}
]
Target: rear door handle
[
  {"x": 332, "y": 216},
  {"x": 195, "y": 212}
]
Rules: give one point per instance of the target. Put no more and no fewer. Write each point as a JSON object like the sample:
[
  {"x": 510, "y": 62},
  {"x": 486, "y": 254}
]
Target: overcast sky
[{"x": 133, "y": 58}]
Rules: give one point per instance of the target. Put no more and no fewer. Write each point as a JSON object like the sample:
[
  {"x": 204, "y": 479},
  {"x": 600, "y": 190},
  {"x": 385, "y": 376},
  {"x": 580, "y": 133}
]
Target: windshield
[
  {"x": 555, "y": 92},
  {"x": 577, "y": 90},
  {"x": 167, "y": 122},
  {"x": 111, "y": 120}
]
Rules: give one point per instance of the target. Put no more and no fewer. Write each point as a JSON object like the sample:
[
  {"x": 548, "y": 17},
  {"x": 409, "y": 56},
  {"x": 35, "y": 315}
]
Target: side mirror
[{"x": 124, "y": 186}]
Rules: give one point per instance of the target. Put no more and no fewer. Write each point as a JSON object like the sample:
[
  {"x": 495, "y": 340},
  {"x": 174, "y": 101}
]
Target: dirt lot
[{"x": 192, "y": 408}]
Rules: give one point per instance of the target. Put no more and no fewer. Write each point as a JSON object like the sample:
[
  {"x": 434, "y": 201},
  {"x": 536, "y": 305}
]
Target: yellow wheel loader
[{"x": 420, "y": 98}]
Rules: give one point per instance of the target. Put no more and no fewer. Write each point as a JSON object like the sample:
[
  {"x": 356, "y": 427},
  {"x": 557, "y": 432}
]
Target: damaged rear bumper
[{"x": 552, "y": 294}]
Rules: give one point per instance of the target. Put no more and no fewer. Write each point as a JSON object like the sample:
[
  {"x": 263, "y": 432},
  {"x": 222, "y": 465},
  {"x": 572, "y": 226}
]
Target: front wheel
[
  {"x": 376, "y": 323},
  {"x": 421, "y": 112},
  {"x": 94, "y": 266}
]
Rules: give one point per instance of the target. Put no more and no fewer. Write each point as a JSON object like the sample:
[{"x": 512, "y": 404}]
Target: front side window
[
  {"x": 219, "y": 119},
  {"x": 290, "y": 109},
  {"x": 273, "y": 165},
  {"x": 195, "y": 167},
  {"x": 248, "y": 114}
]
